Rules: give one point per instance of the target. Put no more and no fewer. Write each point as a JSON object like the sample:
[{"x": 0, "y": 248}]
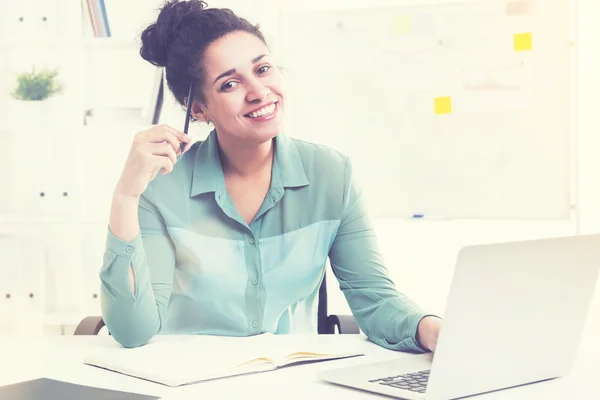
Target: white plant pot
[{"x": 22, "y": 115}]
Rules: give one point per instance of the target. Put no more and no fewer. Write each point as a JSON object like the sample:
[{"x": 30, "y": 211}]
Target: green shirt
[{"x": 201, "y": 269}]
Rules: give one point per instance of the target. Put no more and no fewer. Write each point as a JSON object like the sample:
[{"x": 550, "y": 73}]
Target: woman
[{"x": 233, "y": 236}]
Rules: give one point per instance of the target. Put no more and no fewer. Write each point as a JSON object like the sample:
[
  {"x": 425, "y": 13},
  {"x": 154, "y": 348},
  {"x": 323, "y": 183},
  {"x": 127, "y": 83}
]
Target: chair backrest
[{"x": 322, "y": 307}]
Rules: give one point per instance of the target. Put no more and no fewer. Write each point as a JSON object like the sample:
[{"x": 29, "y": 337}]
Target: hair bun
[{"x": 158, "y": 38}]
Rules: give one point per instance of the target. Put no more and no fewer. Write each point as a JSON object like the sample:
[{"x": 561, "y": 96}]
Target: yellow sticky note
[
  {"x": 523, "y": 41},
  {"x": 402, "y": 24},
  {"x": 443, "y": 105}
]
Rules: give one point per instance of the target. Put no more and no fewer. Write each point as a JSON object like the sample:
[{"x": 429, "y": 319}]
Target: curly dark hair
[{"x": 180, "y": 36}]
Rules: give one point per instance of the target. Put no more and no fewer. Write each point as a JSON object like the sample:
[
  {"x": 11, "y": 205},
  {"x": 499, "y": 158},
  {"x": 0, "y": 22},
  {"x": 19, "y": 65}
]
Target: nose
[{"x": 257, "y": 91}]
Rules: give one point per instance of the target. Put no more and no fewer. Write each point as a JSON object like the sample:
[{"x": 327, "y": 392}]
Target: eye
[
  {"x": 229, "y": 85},
  {"x": 263, "y": 70}
]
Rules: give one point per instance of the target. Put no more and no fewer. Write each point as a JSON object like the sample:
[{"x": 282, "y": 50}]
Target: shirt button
[
  {"x": 254, "y": 281},
  {"x": 255, "y": 324},
  {"x": 129, "y": 249},
  {"x": 251, "y": 241}
]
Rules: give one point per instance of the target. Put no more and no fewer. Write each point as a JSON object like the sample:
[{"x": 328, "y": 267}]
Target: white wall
[
  {"x": 421, "y": 254},
  {"x": 589, "y": 87},
  {"x": 589, "y": 126}
]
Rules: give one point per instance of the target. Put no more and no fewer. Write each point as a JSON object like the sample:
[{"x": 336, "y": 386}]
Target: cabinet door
[
  {"x": 45, "y": 173},
  {"x": 28, "y": 166},
  {"x": 15, "y": 21},
  {"x": 9, "y": 283},
  {"x": 40, "y": 19},
  {"x": 6, "y": 179},
  {"x": 63, "y": 279},
  {"x": 106, "y": 148},
  {"x": 21, "y": 283},
  {"x": 93, "y": 244},
  {"x": 66, "y": 173},
  {"x": 59, "y": 19},
  {"x": 32, "y": 276}
]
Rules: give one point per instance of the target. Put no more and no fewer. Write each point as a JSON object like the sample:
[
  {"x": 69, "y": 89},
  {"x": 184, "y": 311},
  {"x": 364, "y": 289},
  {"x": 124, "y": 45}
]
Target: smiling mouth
[{"x": 263, "y": 112}]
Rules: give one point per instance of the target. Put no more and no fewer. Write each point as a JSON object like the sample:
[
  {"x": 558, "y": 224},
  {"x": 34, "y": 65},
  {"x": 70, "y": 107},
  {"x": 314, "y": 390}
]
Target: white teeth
[{"x": 263, "y": 111}]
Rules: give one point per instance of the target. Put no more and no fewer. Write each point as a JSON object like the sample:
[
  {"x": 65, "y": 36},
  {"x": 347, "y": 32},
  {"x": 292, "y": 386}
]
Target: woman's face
[{"x": 243, "y": 89}]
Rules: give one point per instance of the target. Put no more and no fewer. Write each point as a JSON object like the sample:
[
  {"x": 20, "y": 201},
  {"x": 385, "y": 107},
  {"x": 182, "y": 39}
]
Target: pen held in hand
[{"x": 188, "y": 112}]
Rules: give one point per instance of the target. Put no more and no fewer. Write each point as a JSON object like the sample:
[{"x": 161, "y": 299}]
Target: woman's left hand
[{"x": 428, "y": 332}]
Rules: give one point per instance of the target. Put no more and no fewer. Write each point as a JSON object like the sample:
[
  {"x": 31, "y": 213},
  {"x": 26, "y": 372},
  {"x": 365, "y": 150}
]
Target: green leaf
[{"x": 37, "y": 85}]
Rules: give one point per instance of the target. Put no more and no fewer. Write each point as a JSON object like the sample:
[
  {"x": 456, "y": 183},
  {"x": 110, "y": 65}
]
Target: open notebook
[{"x": 176, "y": 362}]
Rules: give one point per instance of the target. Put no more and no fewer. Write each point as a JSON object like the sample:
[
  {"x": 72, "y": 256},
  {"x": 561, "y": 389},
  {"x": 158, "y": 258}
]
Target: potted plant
[
  {"x": 32, "y": 102},
  {"x": 36, "y": 86}
]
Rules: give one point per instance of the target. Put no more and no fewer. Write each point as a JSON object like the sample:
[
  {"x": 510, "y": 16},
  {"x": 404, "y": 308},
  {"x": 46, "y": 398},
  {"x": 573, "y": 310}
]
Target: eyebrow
[{"x": 232, "y": 70}]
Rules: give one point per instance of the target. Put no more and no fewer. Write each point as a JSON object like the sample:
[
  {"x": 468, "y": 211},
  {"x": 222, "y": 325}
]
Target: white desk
[{"x": 60, "y": 358}]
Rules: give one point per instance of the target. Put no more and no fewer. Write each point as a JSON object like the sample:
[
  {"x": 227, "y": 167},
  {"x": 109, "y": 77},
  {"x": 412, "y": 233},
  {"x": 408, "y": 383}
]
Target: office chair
[{"x": 326, "y": 324}]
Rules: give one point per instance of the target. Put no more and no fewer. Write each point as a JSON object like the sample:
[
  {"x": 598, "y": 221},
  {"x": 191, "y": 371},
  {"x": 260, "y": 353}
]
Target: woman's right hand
[{"x": 152, "y": 150}]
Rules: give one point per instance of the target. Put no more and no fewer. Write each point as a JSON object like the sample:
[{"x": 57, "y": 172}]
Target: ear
[{"x": 198, "y": 112}]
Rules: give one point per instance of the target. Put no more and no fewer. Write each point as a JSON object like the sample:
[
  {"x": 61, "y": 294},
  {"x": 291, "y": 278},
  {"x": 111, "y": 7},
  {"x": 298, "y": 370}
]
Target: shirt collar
[
  {"x": 288, "y": 162},
  {"x": 208, "y": 173}
]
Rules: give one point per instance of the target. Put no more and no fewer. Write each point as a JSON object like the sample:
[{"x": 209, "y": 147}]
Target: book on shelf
[{"x": 95, "y": 13}]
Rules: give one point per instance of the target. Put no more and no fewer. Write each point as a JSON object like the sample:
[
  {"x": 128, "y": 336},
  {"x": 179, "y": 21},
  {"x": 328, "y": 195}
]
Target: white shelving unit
[{"x": 59, "y": 171}]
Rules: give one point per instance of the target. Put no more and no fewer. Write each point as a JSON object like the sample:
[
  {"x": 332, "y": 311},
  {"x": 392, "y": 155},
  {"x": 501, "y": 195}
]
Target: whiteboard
[{"x": 453, "y": 110}]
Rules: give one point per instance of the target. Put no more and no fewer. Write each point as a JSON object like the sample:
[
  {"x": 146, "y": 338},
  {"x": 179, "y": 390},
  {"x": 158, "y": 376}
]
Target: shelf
[
  {"x": 110, "y": 42},
  {"x": 24, "y": 43},
  {"x": 32, "y": 219},
  {"x": 91, "y": 42},
  {"x": 59, "y": 240}
]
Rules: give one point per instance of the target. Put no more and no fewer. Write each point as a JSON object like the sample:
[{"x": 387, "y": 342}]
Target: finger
[
  {"x": 184, "y": 145},
  {"x": 163, "y": 131},
  {"x": 183, "y": 137},
  {"x": 164, "y": 163},
  {"x": 165, "y": 136},
  {"x": 164, "y": 149},
  {"x": 187, "y": 146},
  {"x": 155, "y": 172}
]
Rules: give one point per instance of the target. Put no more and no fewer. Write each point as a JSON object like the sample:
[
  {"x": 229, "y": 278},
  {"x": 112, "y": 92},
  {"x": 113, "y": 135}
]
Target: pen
[
  {"x": 187, "y": 111},
  {"x": 429, "y": 217}
]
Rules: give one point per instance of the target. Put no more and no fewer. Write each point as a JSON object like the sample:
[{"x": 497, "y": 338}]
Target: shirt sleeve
[
  {"x": 385, "y": 315},
  {"x": 133, "y": 318}
]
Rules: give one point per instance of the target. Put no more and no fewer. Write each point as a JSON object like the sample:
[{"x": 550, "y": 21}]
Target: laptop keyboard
[{"x": 414, "y": 381}]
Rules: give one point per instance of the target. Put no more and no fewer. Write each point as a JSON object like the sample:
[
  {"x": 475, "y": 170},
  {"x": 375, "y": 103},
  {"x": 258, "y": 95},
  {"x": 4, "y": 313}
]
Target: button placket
[{"x": 253, "y": 254}]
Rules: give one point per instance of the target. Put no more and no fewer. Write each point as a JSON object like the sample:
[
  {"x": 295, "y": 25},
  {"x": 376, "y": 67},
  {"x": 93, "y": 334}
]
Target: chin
[
  {"x": 267, "y": 132},
  {"x": 265, "y": 136}
]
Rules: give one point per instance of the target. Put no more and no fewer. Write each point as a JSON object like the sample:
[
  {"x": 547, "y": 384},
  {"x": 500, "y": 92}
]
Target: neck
[{"x": 245, "y": 160}]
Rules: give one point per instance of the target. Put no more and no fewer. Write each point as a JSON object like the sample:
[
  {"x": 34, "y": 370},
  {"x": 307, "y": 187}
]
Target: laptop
[{"x": 514, "y": 315}]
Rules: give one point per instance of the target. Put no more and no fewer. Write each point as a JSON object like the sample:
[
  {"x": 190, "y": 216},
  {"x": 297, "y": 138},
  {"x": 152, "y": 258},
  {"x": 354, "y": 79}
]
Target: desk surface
[{"x": 61, "y": 358}]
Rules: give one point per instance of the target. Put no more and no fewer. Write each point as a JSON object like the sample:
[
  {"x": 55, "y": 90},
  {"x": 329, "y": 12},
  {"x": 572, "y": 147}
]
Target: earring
[{"x": 208, "y": 121}]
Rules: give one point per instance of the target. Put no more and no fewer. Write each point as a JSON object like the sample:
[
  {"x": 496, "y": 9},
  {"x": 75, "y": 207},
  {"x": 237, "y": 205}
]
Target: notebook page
[
  {"x": 186, "y": 360},
  {"x": 285, "y": 349}
]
